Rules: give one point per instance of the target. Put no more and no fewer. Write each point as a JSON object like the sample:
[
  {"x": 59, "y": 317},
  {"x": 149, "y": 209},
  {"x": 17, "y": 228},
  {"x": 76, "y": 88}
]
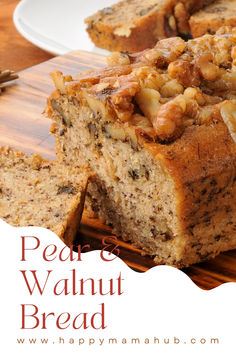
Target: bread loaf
[
  {"x": 158, "y": 128},
  {"x": 37, "y": 192},
  {"x": 212, "y": 17},
  {"x": 134, "y": 25}
]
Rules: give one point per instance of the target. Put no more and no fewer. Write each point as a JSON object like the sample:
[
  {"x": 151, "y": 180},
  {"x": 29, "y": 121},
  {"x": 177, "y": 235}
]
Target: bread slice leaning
[{"x": 38, "y": 192}]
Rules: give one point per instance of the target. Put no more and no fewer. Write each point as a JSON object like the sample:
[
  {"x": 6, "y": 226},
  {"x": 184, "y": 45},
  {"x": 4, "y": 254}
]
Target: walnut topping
[
  {"x": 152, "y": 56},
  {"x": 171, "y": 88},
  {"x": 168, "y": 122},
  {"x": 90, "y": 78},
  {"x": 161, "y": 91},
  {"x": 228, "y": 112},
  {"x": 182, "y": 17},
  {"x": 171, "y": 48},
  {"x": 148, "y": 77},
  {"x": 117, "y": 58},
  {"x": 208, "y": 70},
  {"x": 140, "y": 121},
  {"x": 185, "y": 72},
  {"x": 121, "y": 100},
  {"x": 162, "y": 54},
  {"x": 60, "y": 80},
  {"x": 195, "y": 94},
  {"x": 233, "y": 53},
  {"x": 219, "y": 46},
  {"x": 97, "y": 105},
  {"x": 148, "y": 101},
  {"x": 233, "y": 56},
  {"x": 172, "y": 23}
]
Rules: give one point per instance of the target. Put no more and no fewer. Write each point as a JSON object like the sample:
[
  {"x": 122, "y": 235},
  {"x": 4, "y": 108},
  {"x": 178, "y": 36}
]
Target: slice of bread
[
  {"x": 158, "y": 128},
  {"x": 38, "y": 192},
  {"x": 212, "y": 17},
  {"x": 134, "y": 25}
]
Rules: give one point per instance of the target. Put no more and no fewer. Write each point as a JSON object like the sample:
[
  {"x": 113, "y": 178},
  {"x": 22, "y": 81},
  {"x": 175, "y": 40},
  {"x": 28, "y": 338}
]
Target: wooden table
[
  {"x": 23, "y": 126},
  {"x": 16, "y": 53}
]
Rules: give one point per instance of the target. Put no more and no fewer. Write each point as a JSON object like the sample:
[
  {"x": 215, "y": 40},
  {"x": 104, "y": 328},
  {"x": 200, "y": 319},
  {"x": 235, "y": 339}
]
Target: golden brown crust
[
  {"x": 195, "y": 155},
  {"x": 141, "y": 37},
  {"x": 212, "y": 17},
  {"x": 203, "y": 165},
  {"x": 113, "y": 29}
]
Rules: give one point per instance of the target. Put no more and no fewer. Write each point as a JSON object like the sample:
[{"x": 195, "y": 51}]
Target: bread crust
[
  {"x": 134, "y": 25},
  {"x": 212, "y": 17}
]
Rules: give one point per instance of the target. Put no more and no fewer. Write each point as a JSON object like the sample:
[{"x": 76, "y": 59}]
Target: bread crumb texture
[
  {"x": 134, "y": 25},
  {"x": 212, "y": 17},
  {"x": 38, "y": 192}
]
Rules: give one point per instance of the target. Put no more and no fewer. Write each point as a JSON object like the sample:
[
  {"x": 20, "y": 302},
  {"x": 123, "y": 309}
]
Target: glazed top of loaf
[{"x": 177, "y": 99}]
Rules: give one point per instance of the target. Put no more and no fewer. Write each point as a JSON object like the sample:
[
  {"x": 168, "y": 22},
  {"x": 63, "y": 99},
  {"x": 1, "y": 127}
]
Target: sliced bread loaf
[
  {"x": 212, "y": 17},
  {"x": 38, "y": 192},
  {"x": 134, "y": 25}
]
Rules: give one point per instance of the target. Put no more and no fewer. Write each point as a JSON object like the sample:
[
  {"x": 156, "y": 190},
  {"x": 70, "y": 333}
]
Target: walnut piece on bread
[{"x": 228, "y": 113}]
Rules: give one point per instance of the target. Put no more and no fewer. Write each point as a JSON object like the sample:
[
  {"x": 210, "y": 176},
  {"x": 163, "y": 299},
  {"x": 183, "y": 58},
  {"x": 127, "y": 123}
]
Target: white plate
[{"x": 57, "y": 26}]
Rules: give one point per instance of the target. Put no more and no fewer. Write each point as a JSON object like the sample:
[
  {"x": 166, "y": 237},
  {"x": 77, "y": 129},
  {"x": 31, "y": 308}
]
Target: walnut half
[
  {"x": 60, "y": 80},
  {"x": 228, "y": 113}
]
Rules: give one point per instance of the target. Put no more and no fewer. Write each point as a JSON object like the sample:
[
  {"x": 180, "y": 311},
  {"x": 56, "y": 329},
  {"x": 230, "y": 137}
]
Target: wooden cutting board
[{"x": 23, "y": 125}]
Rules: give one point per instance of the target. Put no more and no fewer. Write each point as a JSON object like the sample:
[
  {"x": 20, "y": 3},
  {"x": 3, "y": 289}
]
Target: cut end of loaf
[{"x": 43, "y": 193}]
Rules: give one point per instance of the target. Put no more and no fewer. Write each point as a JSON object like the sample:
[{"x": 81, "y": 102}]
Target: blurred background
[{"x": 15, "y": 51}]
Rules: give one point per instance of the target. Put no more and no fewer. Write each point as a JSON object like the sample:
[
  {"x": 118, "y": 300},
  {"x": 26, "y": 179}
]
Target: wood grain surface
[
  {"x": 16, "y": 53},
  {"x": 23, "y": 125}
]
